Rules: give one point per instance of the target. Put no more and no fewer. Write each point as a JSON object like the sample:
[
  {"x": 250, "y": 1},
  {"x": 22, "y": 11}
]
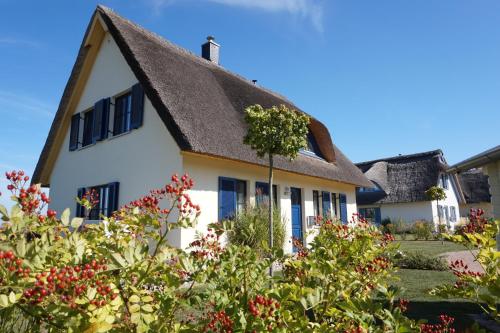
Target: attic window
[
  {"x": 312, "y": 146},
  {"x": 375, "y": 188}
]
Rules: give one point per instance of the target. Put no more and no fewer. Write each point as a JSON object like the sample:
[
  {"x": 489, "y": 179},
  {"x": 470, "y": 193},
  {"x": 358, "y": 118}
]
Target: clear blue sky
[{"x": 385, "y": 76}]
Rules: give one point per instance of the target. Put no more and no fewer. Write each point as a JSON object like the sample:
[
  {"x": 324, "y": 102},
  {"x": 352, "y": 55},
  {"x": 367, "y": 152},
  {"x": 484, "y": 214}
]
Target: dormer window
[
  {"x": 312, "y": 146},
  {"x": 444, "y": 181},
  {"x": 375, "y": 188}
]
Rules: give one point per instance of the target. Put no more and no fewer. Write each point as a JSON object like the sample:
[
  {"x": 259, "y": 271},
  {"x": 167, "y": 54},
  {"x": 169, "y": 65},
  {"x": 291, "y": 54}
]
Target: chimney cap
[{"x": 210, "y": 38}]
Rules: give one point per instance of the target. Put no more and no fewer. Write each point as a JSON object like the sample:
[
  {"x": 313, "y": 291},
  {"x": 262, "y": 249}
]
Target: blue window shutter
[
  {"x": 114, "y": 189},
  {"x": 75, "y": 132},
  {"x": 326, "y": 204},
  {"x": 137, "y": 106},
  {"x": 227, "y": 198},
  {"x": 80, "y": 210},
  {"x": 343, "y": 207},
  {"x": 378, "y": 216},
  {"x": 101, "y": 120}
]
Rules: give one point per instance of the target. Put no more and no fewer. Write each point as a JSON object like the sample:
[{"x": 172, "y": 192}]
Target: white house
[
  {"x": 489, "y": 164},
  {"x": 399, "y": 185},
  {"x": 137, "y": 109}
]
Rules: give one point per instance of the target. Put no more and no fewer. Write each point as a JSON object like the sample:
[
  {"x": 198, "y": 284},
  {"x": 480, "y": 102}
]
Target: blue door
[
  {"x": 296, "y": 215},
  {"x": 343, "y": 208},
  {"x": 227, "y": 198}
]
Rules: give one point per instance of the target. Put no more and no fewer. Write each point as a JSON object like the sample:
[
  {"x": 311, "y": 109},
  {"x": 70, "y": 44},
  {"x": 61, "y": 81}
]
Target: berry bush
[{"x": 121, "y": 275}]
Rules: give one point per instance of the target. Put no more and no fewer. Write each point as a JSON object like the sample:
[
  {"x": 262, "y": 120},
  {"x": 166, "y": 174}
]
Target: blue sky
[{"x": 386, "y": 76}]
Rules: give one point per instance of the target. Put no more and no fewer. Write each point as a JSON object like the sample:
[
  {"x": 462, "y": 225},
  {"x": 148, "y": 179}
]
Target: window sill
[
  {"x": 119, "y": 135},
  {"x": 85, "y": 147}
]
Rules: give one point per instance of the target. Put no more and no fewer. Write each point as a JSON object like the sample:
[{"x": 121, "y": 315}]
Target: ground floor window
[
  {"x": 232, "y": 197},
  {"x": 262, "y": 194},
  {"x": 104, "y": 198},
  {"x": 372, "y": 214}
]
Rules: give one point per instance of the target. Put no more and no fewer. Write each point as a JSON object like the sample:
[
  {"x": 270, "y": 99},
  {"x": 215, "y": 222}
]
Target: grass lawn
[
  {"x": 415, "y": 285},
  {"x": 431, "y": 248}
]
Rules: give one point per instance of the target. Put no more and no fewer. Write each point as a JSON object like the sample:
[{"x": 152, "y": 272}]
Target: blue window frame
[{"x": 232, "y": 197}]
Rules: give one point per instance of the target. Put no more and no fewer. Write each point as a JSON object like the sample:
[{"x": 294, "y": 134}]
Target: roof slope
[
  {"x": 402, "y": 178},
  {"x": 475, "y": 186},
  {"x": 202, "y": 104}
]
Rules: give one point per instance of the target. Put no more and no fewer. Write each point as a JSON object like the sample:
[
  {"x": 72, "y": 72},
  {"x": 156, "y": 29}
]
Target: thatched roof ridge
[{"x": 202, "y": 105}]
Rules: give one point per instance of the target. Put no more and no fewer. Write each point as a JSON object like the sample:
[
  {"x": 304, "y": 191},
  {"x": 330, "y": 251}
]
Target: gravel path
[{"x": 467, "y": 258}]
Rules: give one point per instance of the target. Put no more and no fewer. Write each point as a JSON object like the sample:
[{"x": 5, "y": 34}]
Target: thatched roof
[
  {"x": 202, "y": 104},
  {"x": 403, "y": 178},
  {"x": 475, "y": 186}
]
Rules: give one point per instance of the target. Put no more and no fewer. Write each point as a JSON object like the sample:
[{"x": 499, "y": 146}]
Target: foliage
[
  {"x": 423, "y": 230},
  {"x": 481, "y": 287},
  {"x": 122, "y": 275},
  {"x": 435, "y": 193},
  {"x": 276, "y": 131},
  {"x": 419, "y": 260},
  {"x": 251, "y": 228}
]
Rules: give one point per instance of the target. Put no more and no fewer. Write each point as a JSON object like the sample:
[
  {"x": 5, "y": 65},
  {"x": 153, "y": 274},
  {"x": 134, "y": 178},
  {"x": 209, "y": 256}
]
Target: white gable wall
[{"x": 140, "y": 160}]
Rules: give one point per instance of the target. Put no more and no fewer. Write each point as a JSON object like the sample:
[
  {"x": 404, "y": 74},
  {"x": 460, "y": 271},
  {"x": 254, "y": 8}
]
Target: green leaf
[
  {"x": 76, "y": 222},
  {"x": 65, "y": 217},
  {"x": 91, "y": 292},
  {"x": 134, "y": 299},
  {"x": 4, "y": 301},
  {"x": 12, "y": 297},
  {"x": 119, "y": 259},
  {"x": 21, "y": 247},
  {"x": 135, "y": 308},
  {"x": 147, "y": 308},
  {"x": 147, "y": 299},
  {"x": 3, "y": 211}
]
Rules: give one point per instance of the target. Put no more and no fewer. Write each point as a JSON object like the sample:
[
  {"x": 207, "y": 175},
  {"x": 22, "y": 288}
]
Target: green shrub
[
  {"x": 419, "y": 260},
  {"x": 423, "y": 230},
  {"x": 251, "y": 228}
]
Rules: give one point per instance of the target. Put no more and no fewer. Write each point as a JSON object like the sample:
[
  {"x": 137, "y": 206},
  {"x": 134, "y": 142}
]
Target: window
[
  {"x": 123, "y": 110},
  {"x": 88, "y": 121},
  {"x": 327, "y": 208},
  {"x": 334, "y": 204},
  {"x": 312, "y": 146},
  {"x": 372, "y": 214},
  {"x": 316, "y": 204},
  {"x": 106, "y": 201},
  {"x": 375, "y": 188},
  {"x": 453, "y": 214},
  {"x": 129, "y": 110},
  {"x": 440, "y": 211},
  {"x": 74, "y": 136},
  {"x": 444, "y": 181},
  {"x": 232, "y": 197},
  {"x": 262, "y": 194}
]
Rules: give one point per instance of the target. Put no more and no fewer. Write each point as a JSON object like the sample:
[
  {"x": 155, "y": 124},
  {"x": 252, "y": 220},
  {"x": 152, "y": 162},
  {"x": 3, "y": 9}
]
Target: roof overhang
[{"x": 479, "y": 160}]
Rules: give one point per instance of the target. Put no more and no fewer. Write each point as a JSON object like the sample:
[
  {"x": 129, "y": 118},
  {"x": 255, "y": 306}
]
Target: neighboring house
[
  {"x": 137, "y": 109},
  {"x": 476, "y": 190},
  {"x": 399, "y": 185},
  {"x": 489, "y": 162}
]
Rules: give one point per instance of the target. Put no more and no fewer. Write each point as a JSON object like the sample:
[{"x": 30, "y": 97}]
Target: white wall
[
  {"x": 450, "y": 201},
  {"x": 140, "y": 160},
  {"x": 206, "y": 172},
  {"x": 409, "y": 212}
]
